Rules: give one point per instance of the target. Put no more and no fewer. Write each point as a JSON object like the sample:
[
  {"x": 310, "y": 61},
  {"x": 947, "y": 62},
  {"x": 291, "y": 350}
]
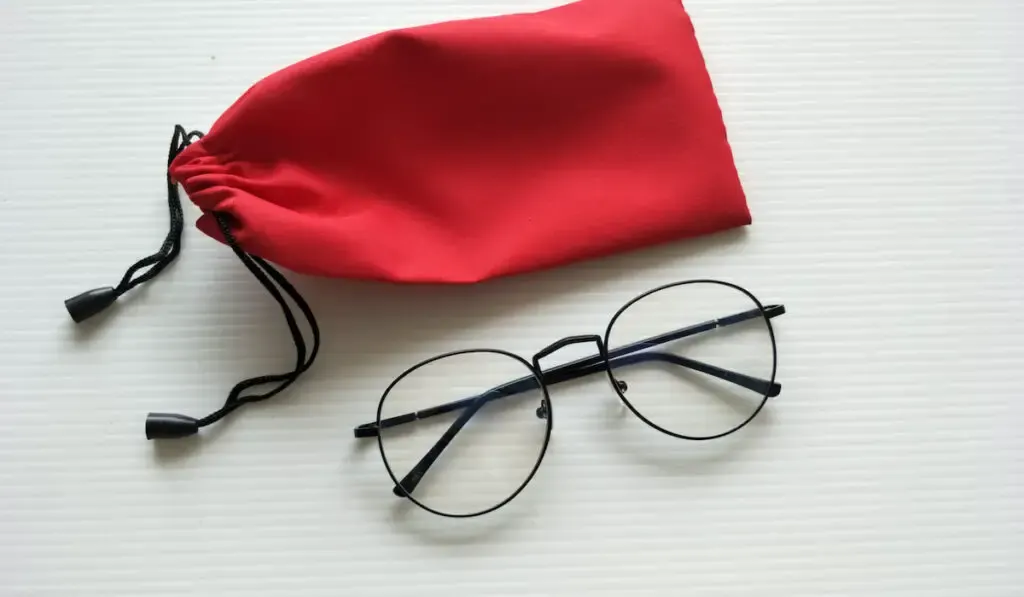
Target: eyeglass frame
[{"x": 569, "y": 371}]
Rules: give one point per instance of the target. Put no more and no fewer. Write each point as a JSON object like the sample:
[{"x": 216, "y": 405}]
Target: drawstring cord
[
  {"x": 169, "y": 426},
  {"x": 88, "y": 304},
  {"x": 268, "y": 276}
]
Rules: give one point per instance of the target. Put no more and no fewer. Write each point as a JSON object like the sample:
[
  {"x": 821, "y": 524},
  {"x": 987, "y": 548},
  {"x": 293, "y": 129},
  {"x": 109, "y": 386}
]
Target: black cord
[
  {"x": 172, "y": 244},
  {"x": 87, "y": 304},
  {"x": 268, "y": 276},
  {"x": 168, "y": 426}
]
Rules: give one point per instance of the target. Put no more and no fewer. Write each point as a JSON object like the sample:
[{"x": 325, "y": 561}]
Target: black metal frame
[{"x": 604, "y": 360}]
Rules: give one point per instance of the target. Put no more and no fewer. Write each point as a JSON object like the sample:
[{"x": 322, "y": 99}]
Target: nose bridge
[{"x": 568, "y": 341}]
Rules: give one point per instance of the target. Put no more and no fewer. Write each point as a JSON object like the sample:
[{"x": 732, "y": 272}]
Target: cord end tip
[
  {"x": 170, "y": 426},
  {"x": 87, "y": 304}
]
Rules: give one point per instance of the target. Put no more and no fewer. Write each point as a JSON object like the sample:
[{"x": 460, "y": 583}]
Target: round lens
[
  {"x": 462, "y": 434},
  {"x": 695, "y": 360}
]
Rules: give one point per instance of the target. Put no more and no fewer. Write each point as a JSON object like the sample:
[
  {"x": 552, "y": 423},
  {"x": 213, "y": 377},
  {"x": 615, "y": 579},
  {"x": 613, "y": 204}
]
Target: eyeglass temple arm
[
  {"x": 754, "y": 384},
  {"x": 412, "y": 479},
  {"x": 595, "y": 364}
]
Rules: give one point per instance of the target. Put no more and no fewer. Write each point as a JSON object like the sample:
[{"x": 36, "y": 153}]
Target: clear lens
[
  {"x": 491, "y": 457},
  {"x": 704, "y": 380}
]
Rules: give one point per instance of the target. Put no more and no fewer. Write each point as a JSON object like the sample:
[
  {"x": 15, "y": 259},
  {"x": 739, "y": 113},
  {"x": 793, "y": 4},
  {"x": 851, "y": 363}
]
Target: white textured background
[{"x": 881, "y": 144}]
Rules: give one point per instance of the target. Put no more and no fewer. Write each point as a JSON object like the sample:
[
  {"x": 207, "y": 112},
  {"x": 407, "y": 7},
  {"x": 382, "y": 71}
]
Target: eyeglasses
[{"x": 463, "y": 433}]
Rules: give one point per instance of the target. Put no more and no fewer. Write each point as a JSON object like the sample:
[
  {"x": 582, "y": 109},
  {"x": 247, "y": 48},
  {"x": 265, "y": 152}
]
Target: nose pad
[
  {"x": 623, "y": 386},
  {"x": 542, "y": 411}
]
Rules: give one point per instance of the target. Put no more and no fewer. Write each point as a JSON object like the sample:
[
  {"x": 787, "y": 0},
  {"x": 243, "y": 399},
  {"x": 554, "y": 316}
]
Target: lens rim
[
  {"x": 543, "y": 450},
  {"x": 635, "y": 411}
]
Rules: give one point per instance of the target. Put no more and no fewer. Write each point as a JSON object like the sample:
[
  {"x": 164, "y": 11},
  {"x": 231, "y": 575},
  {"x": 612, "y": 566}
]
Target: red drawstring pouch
[{"x": 454, "y": 153}]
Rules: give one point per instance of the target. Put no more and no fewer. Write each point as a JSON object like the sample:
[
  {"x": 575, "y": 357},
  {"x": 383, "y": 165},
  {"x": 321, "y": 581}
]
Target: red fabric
[{"x": 465, "y": 150}]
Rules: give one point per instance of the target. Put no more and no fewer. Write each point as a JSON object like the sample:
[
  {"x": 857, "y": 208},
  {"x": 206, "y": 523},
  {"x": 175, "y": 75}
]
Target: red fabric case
[{"x": 465, "y": 150}]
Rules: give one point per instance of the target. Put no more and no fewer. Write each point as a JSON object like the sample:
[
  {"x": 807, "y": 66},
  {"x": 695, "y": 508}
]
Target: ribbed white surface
[{"x": 881, "y": 146}]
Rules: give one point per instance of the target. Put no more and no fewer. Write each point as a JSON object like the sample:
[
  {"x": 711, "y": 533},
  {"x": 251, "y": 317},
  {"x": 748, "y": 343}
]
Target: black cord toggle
[
  {"x": 91, "y": 302},
  {"x": 170, "y": 426},
  {"x": 87, "y": 304}
]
